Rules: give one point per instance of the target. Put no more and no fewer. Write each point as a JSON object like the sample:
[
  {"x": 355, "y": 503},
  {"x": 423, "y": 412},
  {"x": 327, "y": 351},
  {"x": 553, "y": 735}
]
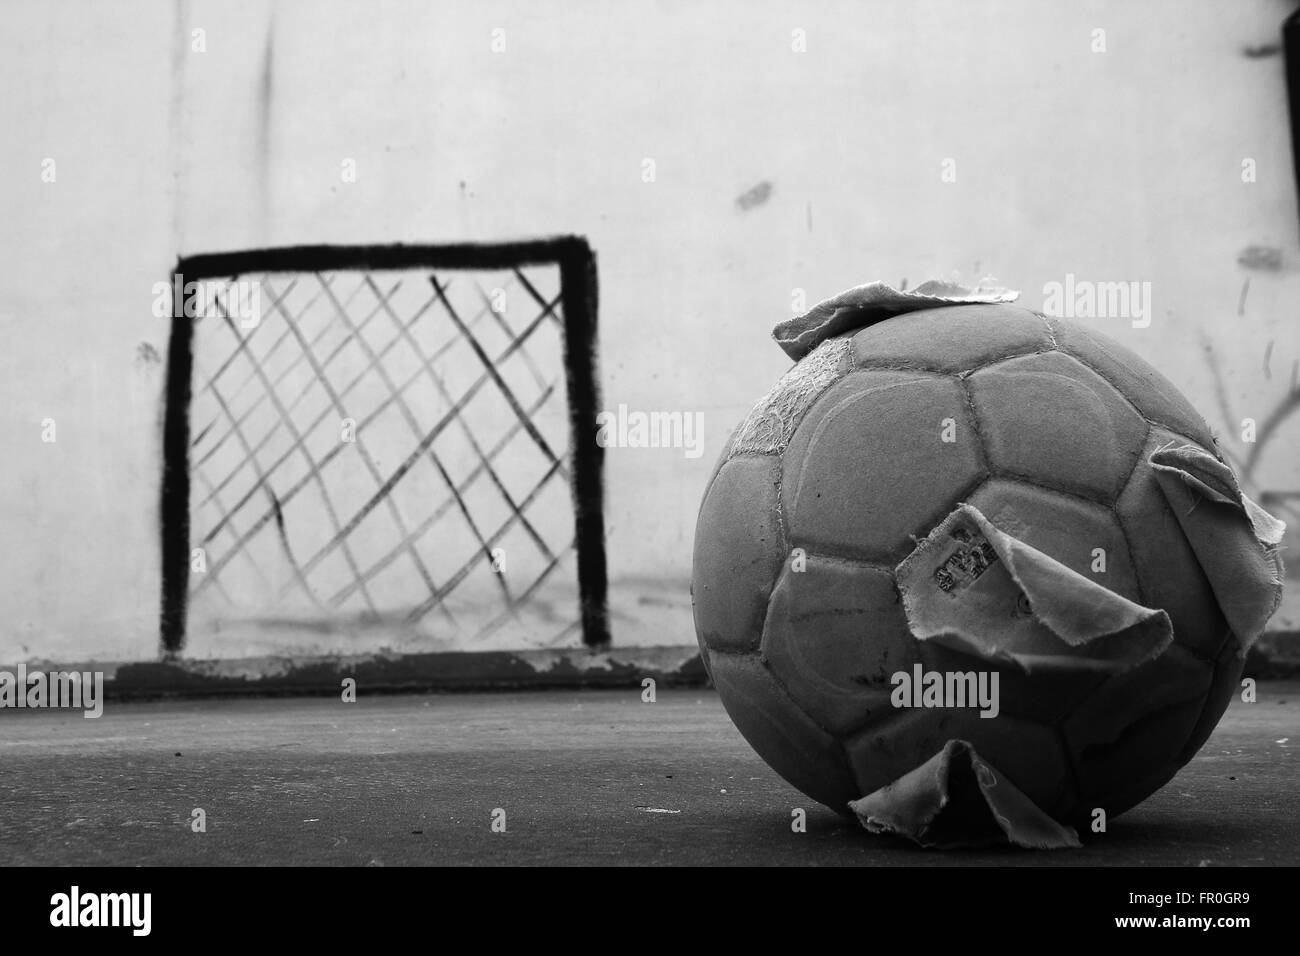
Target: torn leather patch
[
  {"x": 975, "y": 589},
  {"x": 768, "y": 427},
  {"x": 874, "y": 302},
  {"x": 956, "y": 799},
  {"x": 1235, "y": 540}
]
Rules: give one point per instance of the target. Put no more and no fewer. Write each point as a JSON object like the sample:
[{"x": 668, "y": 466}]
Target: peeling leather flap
[
  {"x": 874, "y": 302},
  {"x": 1234, "y": 540},
  {"x": 977, "y": 590},
  {"x": 956, "y": 799}
]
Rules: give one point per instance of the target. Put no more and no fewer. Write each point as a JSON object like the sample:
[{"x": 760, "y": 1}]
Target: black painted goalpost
[{"x": 189, "y": 446}]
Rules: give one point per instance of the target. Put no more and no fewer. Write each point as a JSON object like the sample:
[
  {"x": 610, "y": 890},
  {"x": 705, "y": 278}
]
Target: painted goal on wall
[{"x": 384, "y": 448}]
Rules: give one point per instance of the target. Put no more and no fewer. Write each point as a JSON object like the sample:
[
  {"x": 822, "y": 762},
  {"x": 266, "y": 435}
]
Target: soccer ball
[{"x": 864, "y": 447}]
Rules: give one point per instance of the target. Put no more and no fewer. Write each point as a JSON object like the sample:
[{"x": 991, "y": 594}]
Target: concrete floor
[{"x": 584, "y": 777}]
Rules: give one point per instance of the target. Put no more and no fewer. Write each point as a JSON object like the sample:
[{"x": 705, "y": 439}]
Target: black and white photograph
[{"x": 650, "y": 435}]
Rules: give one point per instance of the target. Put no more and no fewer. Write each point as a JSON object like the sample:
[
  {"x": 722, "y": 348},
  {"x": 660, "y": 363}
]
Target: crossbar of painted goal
[{"x": 396, "y": 436}]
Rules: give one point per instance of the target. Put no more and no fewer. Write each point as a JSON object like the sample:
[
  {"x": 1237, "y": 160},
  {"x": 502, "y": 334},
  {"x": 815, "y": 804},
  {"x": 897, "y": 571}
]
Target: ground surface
[{"x": 584, "y": 777}]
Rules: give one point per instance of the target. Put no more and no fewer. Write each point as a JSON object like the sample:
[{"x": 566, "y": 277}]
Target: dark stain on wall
[
  {"x": 754, "y": 197},
  {"x": 1261, "y": 258},
  {"x": 147, "y": 356},
  {"x": 1261, "y": 51}
]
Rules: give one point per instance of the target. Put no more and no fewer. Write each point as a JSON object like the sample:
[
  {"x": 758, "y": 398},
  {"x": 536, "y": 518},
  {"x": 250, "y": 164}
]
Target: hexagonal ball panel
[
  {"x": 952, "y": 339},
  {"x": 1153, "y": 394},
  {"x": 834, "y": 635},
  {"x": 868, "y": 466},
  {"x": 738, "y": 553},
  {"x": 1065, "y": 528},
  {"x": 1050, "y": 419},
  {"x": 783, "y": 735}
]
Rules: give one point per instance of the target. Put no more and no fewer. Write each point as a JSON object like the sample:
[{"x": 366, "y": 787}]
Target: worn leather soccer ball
[{"x": 861, "y": 450}]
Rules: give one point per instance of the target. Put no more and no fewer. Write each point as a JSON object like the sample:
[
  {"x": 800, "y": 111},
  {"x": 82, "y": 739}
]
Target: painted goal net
[{"x": 384, "y": 447}]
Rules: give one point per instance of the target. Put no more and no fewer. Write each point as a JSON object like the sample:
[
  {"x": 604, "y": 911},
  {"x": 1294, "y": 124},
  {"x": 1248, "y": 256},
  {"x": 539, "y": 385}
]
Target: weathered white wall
[{"x": 1117, "y": 165}]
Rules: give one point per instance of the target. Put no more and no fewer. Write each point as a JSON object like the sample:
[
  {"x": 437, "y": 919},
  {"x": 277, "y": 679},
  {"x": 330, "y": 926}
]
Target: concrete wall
[{"x": 1117, "y": 165}]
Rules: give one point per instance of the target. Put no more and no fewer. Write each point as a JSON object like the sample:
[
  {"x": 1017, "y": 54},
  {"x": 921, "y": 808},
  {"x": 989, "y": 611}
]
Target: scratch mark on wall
[
  {"x": 265, "y": 96},
  {"x": 1241, "y": 302},
  {"x": 176, "y": 117}
]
